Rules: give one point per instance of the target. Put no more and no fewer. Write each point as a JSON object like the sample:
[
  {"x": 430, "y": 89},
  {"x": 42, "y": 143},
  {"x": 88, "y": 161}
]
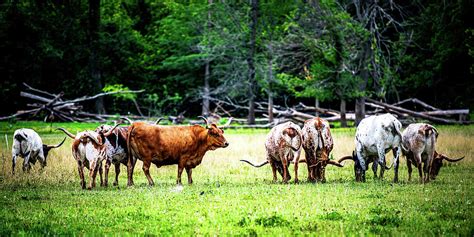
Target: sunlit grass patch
[{"x": 229, "y": 197}]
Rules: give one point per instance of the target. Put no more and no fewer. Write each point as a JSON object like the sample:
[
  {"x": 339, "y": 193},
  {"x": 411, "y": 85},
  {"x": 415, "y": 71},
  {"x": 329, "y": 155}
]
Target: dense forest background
[{"x": 187, "y": 54}]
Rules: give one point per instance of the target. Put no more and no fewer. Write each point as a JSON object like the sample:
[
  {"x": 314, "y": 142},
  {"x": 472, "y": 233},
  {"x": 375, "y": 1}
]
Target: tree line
[{"x": 187, "y": 54}]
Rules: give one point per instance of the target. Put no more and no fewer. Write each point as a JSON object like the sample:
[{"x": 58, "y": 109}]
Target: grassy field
[{"x": 232, "y": 198}]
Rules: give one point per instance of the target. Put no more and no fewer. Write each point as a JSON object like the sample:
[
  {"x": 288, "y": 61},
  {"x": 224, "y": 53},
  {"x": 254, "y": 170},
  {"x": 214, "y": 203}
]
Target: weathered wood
[
  {"x": 34, "y": 97},
  {"x": 39, "y": 91},
  {"x": 447, "y": 112},
  {"x": 415, "y": 101},
  {"x": 19, "y": 113},
  {"x": 86, "y": 98},
  {"x": 417, "y": 114}
]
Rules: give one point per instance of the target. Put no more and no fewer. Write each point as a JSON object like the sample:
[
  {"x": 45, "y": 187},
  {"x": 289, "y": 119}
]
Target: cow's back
[
  {"x": 381, "y": 130},
  {"x": 165, "y": 144},
  {"x": 418, "y": 142}
]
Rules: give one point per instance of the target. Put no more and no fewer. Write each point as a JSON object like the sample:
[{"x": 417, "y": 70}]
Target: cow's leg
[
  {"x": 180, "y": 172},
  {"x": 107, "y": 168},
  {"x": 26, "y": 162},
  {"x": 14, "y": 156},
  {"x": 322, "y": 175},
  {"x": 100, "y": 174},
  {"x": 311, "y": 175},
  {"x": 117, "y": 172},
  {"x": 80, "y": 169},
  {"x": 189, "y": 171},
  {"x": 146, "y": 170},
  {"x": 42, "y": 160},
  {"x": 381, "y": 156},
  {"x": 130, "y": 166},
  {"x": 274, "y": 170},
  {"x": 284, "y": 162},
  {"x": 418, "y": 164},
  {"x": 92, "y": 170},
  {"x": 409, "y": 167},
  {"x": 374, "y": 169},
  {"x": 361, "y": 159},
  {"x": 426, "y": 171},
  {"x": 396, "y": 159},
  {"x": 296, "y": 170}
]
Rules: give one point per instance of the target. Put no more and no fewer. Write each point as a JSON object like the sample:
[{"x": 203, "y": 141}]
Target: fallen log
[
  {"x": 415, "y": 101},
  {"x": 416, "y": 114}
]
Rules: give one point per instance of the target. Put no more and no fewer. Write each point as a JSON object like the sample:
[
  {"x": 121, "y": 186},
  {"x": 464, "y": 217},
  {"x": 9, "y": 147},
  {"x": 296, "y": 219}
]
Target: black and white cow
[
  {"x": 28, "y": 144},
  {"x": 375, "y": 136}
]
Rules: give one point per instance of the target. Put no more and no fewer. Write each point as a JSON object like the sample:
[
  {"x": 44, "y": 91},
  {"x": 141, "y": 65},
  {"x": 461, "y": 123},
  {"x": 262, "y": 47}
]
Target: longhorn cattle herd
[{"x": 186, "y": 146}]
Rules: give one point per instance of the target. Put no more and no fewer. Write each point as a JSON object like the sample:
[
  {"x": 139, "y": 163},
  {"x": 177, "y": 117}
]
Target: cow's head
[
  {"x": 215, "y": 136},
  {"x": 47, "y": 148},
  {"x": 438, "y": 163},
  {"x": 358, "y": 171}
]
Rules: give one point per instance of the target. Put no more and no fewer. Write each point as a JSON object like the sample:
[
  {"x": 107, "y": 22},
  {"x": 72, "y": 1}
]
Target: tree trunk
[
  {"x": 364, "y": 74},
  {"x": 359, "y": 110},
  {"x": 270, "y": 84},
  {"x": 94, "y": 70},
  {"x": 343, "y": 113},
  {"x": 250, "y": 61},
  {"x": 207, "y": 74},
  {"x": 316, "y": 105}
]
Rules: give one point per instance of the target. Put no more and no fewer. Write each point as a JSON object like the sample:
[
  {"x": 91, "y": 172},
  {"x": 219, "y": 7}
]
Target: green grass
[{"x": 232, "y": 198}]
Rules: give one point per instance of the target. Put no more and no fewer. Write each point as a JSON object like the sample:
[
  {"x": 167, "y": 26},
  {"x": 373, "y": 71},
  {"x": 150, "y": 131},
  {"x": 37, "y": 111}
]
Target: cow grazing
[
  {"x": 168, "y": 145},
  {"x": 116, "y": 149},
  {"x": 28, "y": 144},
  {"x": 89, "y": 150},
  {"x": 419, "y": 147},
  {"x": 375, "y": 136},
  {"x": 283, "y": 146},
  {"x": 317, "y": 144}
]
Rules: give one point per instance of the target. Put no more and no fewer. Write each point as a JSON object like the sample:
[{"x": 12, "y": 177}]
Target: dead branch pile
[
  {"x": 302, "y": 112},
  {"x": 54, "y": 106}
]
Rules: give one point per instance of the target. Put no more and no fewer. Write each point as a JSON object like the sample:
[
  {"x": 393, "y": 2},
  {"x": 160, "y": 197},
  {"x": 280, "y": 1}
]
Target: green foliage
[
  {"x": 120, "y": 87},
  {"x": 315, "y": 48}
]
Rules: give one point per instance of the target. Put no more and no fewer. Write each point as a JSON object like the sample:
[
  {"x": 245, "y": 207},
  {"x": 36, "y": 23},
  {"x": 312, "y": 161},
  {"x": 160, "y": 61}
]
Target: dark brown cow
[
  {"x": 317, "y": 144},
  {"x": 169, "y": 145}
]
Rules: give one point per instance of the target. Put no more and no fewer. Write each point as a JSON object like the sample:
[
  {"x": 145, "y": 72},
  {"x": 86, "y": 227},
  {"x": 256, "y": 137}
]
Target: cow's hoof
[{"x": 115, "y": 183}]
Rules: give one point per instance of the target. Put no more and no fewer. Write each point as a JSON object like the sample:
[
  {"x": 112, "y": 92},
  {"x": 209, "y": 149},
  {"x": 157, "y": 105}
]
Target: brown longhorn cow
[
  {"x": 419, "y": 147},
  {"x": 169, "y": 145},
  {"x": 317, "y": 144},
  {"x": 89, "y": 150}
]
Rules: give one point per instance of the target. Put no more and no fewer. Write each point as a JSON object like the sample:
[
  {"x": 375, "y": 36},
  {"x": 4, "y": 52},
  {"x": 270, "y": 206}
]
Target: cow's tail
[
  {"x": 300, "y": 142},
  {"x": 257, "y": 166}
]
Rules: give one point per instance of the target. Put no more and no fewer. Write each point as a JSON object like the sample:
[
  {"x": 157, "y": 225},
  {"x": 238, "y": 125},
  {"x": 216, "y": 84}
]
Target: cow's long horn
[
  {"x": 158, "y": 120},
  {"x": 333, "y": 162},
  {"x": 452, "y": 160},
  {"x": 205, "y": 120},
  {"x": 129, "y": 120},
  {"x": 257, "y": 166},
  {"x": 111, "y": 130},
  {"x": 56, "y": 146},
  {"x": 226, "y": 124},
  {"x": 94, "y": 138},
  {"x": 345, "y": 158},
  {"x": 67, "y": 133}
]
